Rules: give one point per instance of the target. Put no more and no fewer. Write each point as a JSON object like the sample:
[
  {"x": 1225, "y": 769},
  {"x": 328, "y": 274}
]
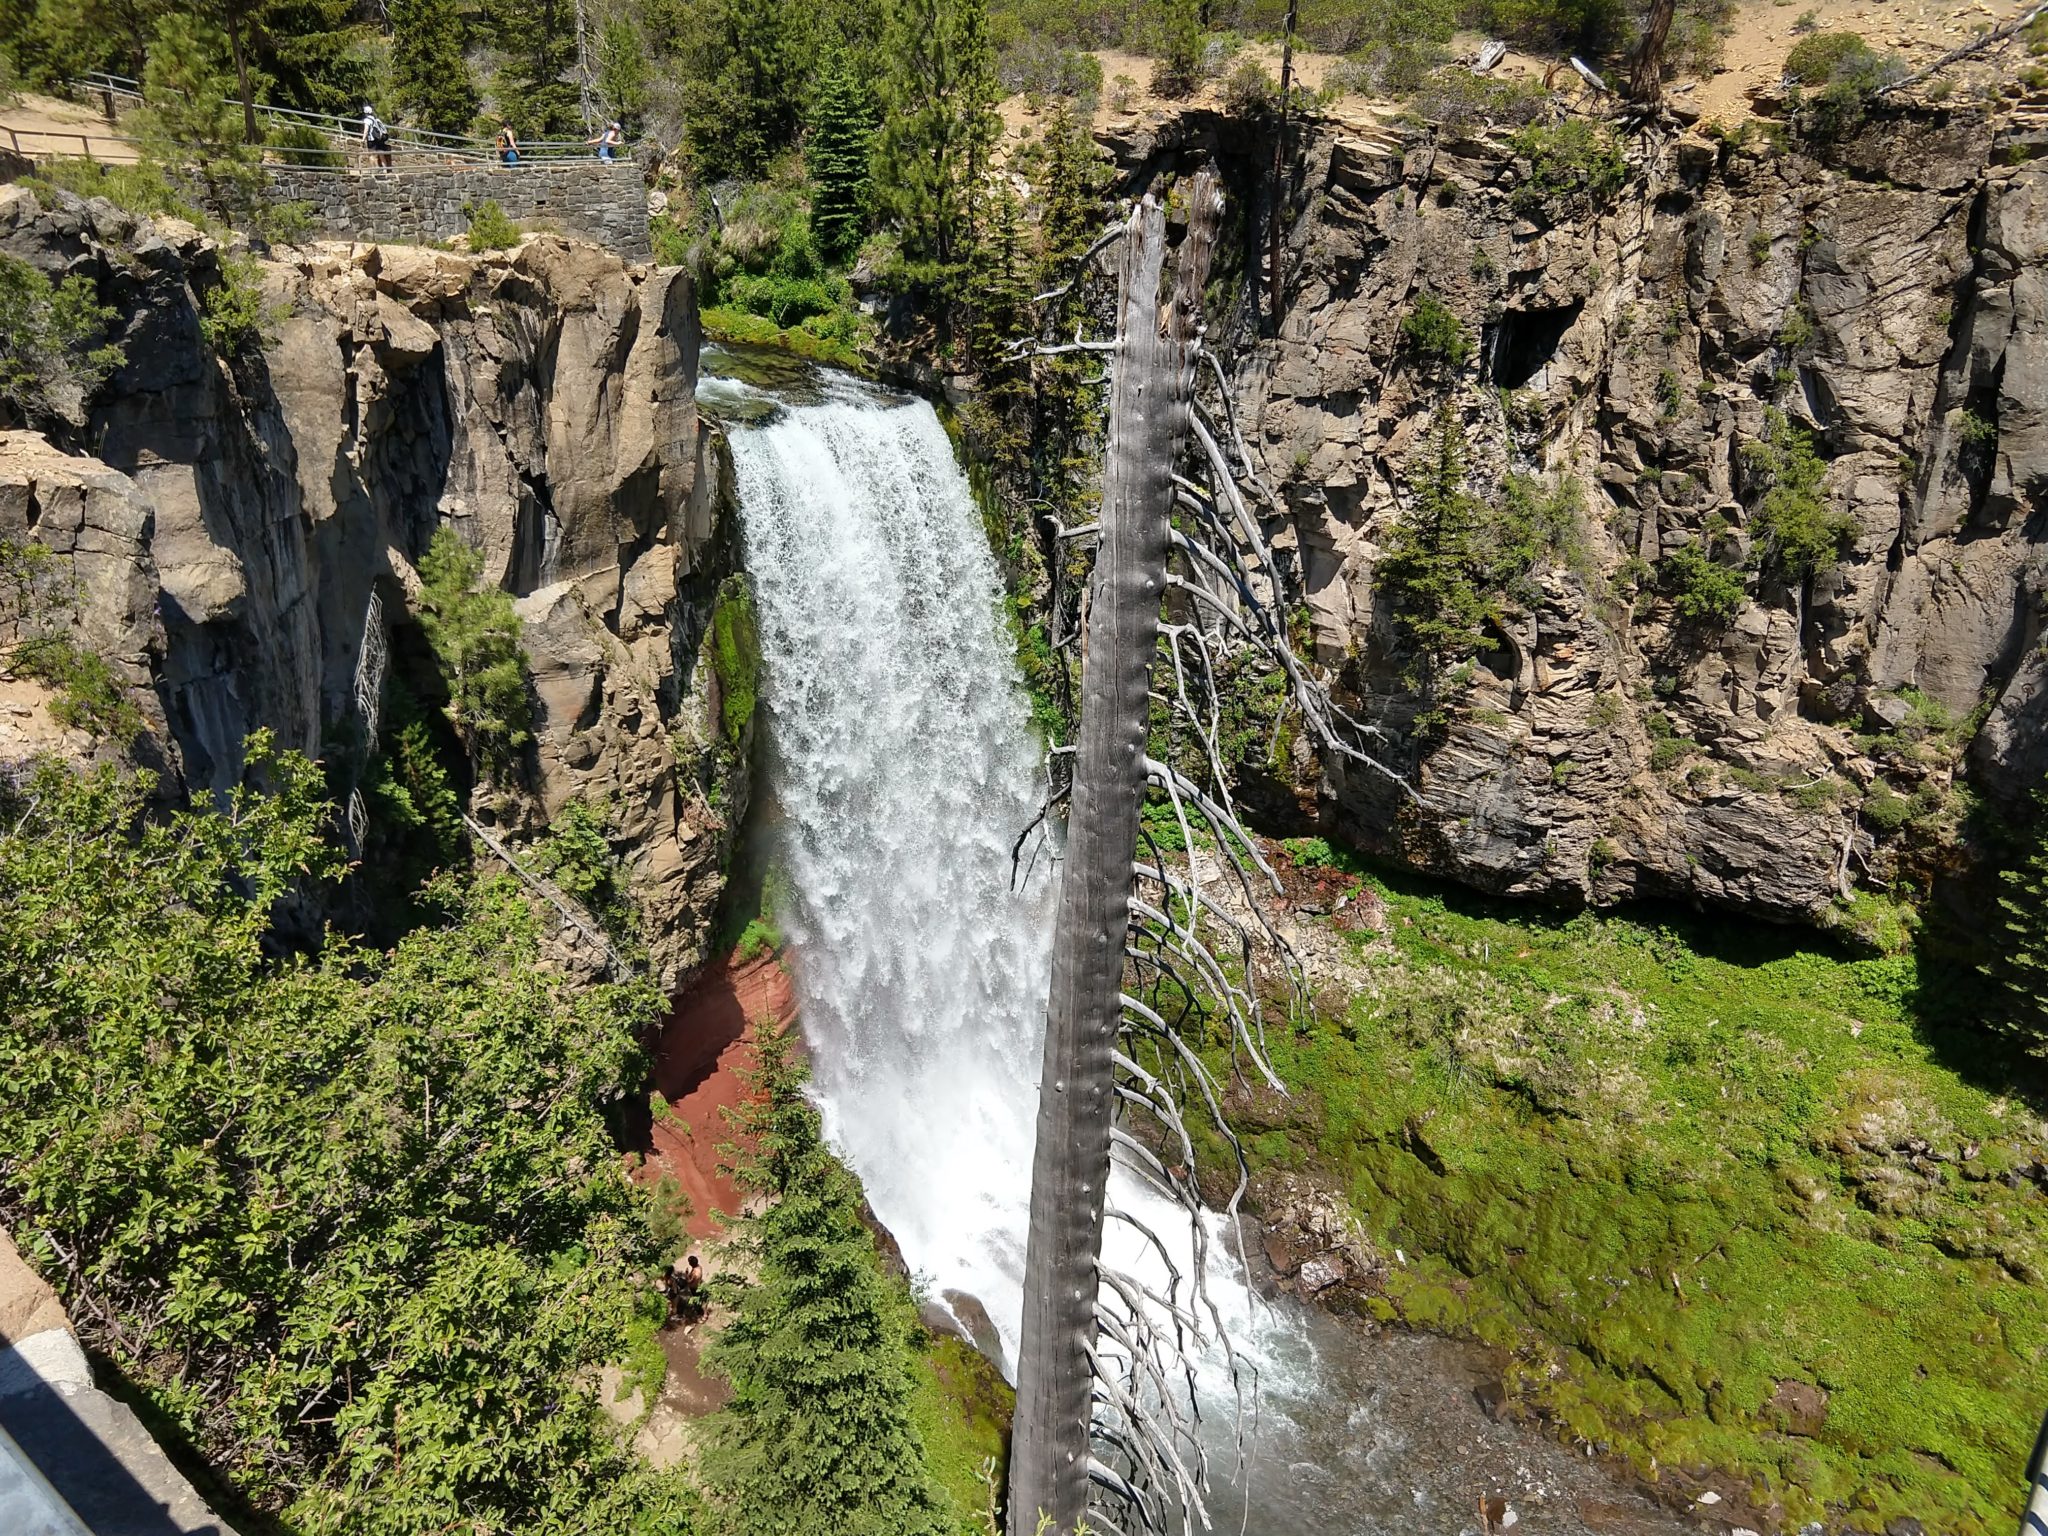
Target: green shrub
[
  {"x": 1844, "y": 73},
  {"x": 1797, "y": 535},
  {"x": 1884, "y": 808},
  {"x": 489, "y": 229},
  {"x": 1705, "y": 592},
  {"x": 1572, "y": 165},
  {"x": 1815, "y": 60},
  {"x": 51, "y": 356},
  {"x": 577, "y": 855},
  {"x": 1249, "y": 91},
  {"x": 356, "y": 1224},
  {"x": 1799, "y": 332},
  {"x": 1456, "y": 99},
  {"x": 474, "y": 633},
  {"x": 1432, "y": 332},
  {"x": 302, "y": 144},
  {"x": 236, "y": 317},
  {"x": 141, "y": 189},
  {"x": 1978, "y": 431}
]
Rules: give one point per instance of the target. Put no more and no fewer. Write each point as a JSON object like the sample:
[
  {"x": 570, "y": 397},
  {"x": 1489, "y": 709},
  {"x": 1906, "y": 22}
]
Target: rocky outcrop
[
  {"x": 1887, "y": 295},
  {"x": 540, "y": 402}
]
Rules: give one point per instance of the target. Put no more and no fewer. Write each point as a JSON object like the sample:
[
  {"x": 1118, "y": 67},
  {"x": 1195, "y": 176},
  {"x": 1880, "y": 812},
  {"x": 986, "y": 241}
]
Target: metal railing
[{"x": 347, "y": 132}]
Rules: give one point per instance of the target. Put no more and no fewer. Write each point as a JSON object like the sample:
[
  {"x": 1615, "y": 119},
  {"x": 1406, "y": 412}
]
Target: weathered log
[{"x": 1151, "y": 402}]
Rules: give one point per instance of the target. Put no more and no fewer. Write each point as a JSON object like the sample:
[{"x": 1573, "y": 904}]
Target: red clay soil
[{"x": 698, "y": 1058}]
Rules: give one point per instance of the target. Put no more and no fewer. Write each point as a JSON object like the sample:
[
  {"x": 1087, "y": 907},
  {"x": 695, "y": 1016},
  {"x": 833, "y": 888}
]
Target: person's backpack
[{"x": 380, "y": 136}]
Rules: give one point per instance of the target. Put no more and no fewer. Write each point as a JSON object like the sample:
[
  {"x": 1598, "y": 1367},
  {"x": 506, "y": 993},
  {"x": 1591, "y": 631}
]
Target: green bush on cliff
[
  {"x": 353, "y": 1225},
  {"x": 52, "y": 350},
  {"x": 475, "y": 636},
  {"x": 736, "y": 657},
  {"x": 819, "y": 1437}
]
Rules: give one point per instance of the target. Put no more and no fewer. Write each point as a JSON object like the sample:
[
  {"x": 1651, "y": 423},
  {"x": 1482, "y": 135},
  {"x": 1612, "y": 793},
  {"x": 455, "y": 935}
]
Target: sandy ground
[
  {"x": 1752, "y": 61},
  {"x": 42, "y": 126}
]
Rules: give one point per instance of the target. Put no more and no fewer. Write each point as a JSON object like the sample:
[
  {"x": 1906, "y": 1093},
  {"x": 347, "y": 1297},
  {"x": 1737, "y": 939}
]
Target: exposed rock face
[
  {"x": 1892, "y": 299},
  {"x": 541, "y": 402}
]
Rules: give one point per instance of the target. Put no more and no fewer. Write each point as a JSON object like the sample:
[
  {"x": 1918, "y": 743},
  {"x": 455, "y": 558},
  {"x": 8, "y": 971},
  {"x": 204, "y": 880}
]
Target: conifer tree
[
  {"x": 622, "y": 71},
  {"x": 2018, "y": 964},
  {"x": 836, "y": 154},
  {"x": 1428, "y": 572},
  {"x": 434, "y": 81},
  {"x": 749, "y": 70},
  {"x": 540, "y": 36},
  {"x": 189, "y": 117},
  {"x": 938, "y": 129},
  {"x": 818, "y": 1439}
]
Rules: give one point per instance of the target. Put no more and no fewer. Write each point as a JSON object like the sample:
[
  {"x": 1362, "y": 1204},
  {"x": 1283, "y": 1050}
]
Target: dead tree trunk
[
  {"x": 1646, "y": 80},
  {"x": 1151, "y": 407}
]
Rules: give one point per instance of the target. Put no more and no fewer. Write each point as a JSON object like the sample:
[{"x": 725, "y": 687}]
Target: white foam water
[{"x": 903, "y": 764}]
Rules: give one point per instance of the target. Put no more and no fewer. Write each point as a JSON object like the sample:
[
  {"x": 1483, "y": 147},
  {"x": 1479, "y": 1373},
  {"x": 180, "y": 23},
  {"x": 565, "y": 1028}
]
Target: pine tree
[
  {"x": 818, "y": 1439},
  {"x": 622, "y": 71},
  {"x": 475, "y": 635},
  {"x": 1427, "y": 574},
  {"x": 2018, "y": 965},
  {"x": 1177, "y": 69},
  {"x": 540, "y": 36},
  {"x": 1068, "y": 179},
  {"x": 749, "y": 71},
  {"x": 938, "y": 130},
  {"x": 434, "y": 81},
  {"x": 189, "y": 116},
  {"x": 836, "y": 154}
]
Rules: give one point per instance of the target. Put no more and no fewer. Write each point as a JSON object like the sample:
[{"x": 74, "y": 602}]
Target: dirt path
[{"x": 42, "y": 126}]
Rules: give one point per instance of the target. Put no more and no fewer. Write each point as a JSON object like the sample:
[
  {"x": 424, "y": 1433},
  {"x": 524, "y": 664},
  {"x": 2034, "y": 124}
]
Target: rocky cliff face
[
  {"x": 246, "y": 530},
  {"x": 1887, "y": 296}
]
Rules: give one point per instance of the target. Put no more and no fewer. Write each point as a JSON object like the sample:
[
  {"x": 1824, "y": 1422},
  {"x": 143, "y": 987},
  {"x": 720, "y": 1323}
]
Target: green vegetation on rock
[
  {"x": 820, "y": 1437},
  {"x": 475, "y": 637},
  {"x": 52, "y": 350},
  {"x": 352, "y": 1225},
  {"x": 1731, "y": 1202}
]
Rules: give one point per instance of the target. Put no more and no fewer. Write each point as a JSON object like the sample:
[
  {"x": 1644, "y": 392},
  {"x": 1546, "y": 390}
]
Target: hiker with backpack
[{"x": 376, "y": 137}]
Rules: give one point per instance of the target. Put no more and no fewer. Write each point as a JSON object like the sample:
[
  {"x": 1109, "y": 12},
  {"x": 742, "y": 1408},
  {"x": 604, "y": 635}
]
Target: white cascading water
[{"x": 903, "y": 767}]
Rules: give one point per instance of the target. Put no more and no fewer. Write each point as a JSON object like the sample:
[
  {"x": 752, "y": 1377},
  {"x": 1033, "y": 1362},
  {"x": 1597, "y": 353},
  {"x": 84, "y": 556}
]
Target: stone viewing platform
[{"x": 602, "y": 202}]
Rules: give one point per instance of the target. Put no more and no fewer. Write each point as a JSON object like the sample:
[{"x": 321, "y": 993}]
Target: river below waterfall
[{"x": 902, "y": 769}]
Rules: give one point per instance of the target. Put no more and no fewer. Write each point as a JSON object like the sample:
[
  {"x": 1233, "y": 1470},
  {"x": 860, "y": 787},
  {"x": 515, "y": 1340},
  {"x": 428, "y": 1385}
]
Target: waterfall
[{"x": 903, "y": 766}]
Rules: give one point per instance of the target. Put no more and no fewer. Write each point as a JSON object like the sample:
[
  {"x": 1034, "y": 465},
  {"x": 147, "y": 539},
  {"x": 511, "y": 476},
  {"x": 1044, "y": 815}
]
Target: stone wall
[{"x": 602, "y": 203}]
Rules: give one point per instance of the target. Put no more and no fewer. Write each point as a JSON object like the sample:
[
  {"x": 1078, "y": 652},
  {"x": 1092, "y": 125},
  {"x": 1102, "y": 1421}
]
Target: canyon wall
[
  {"x": 1888, "y": 293},
  {"x": 245, "y": 529}
]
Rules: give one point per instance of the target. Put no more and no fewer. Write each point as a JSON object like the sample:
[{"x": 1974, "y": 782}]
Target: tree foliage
[
  {"x": 428, "y": 64},
  {"x": 2017, "y": 962},
  {"x": 1797, "y": 533},
  {"x": 939, "y": 128},
  {"x": 189, "y": 116},
  {"x": 354, "y": 1224},
  {"x": 539, "y": 38},
  {"x": 836, "y": 154},
  {"x": 818, "y": 1438},
  {"x": 475, "y": 636},
  {"x": 1454, "y": 561},
  {"x": 52, "y": 357}
]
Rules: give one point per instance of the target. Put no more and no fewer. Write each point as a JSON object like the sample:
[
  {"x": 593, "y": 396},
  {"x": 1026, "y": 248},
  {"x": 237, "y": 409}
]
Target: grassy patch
[
  {"x": 1669, "y": 1166},
  {"x": 724, "y": 323},
  {"x": 962, "y": 1412}
]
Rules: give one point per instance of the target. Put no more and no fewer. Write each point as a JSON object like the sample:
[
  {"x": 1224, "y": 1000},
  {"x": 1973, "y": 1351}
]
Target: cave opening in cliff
[{"x": 1526, "y": 340}]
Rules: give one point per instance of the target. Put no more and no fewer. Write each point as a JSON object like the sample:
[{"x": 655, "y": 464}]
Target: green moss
[
  {"x": 962, "y": 1410},
  {"x": 1659, "y": 1163},
  {"x": 736, "y": 656},
  {"x": 819, "y": 343}
]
